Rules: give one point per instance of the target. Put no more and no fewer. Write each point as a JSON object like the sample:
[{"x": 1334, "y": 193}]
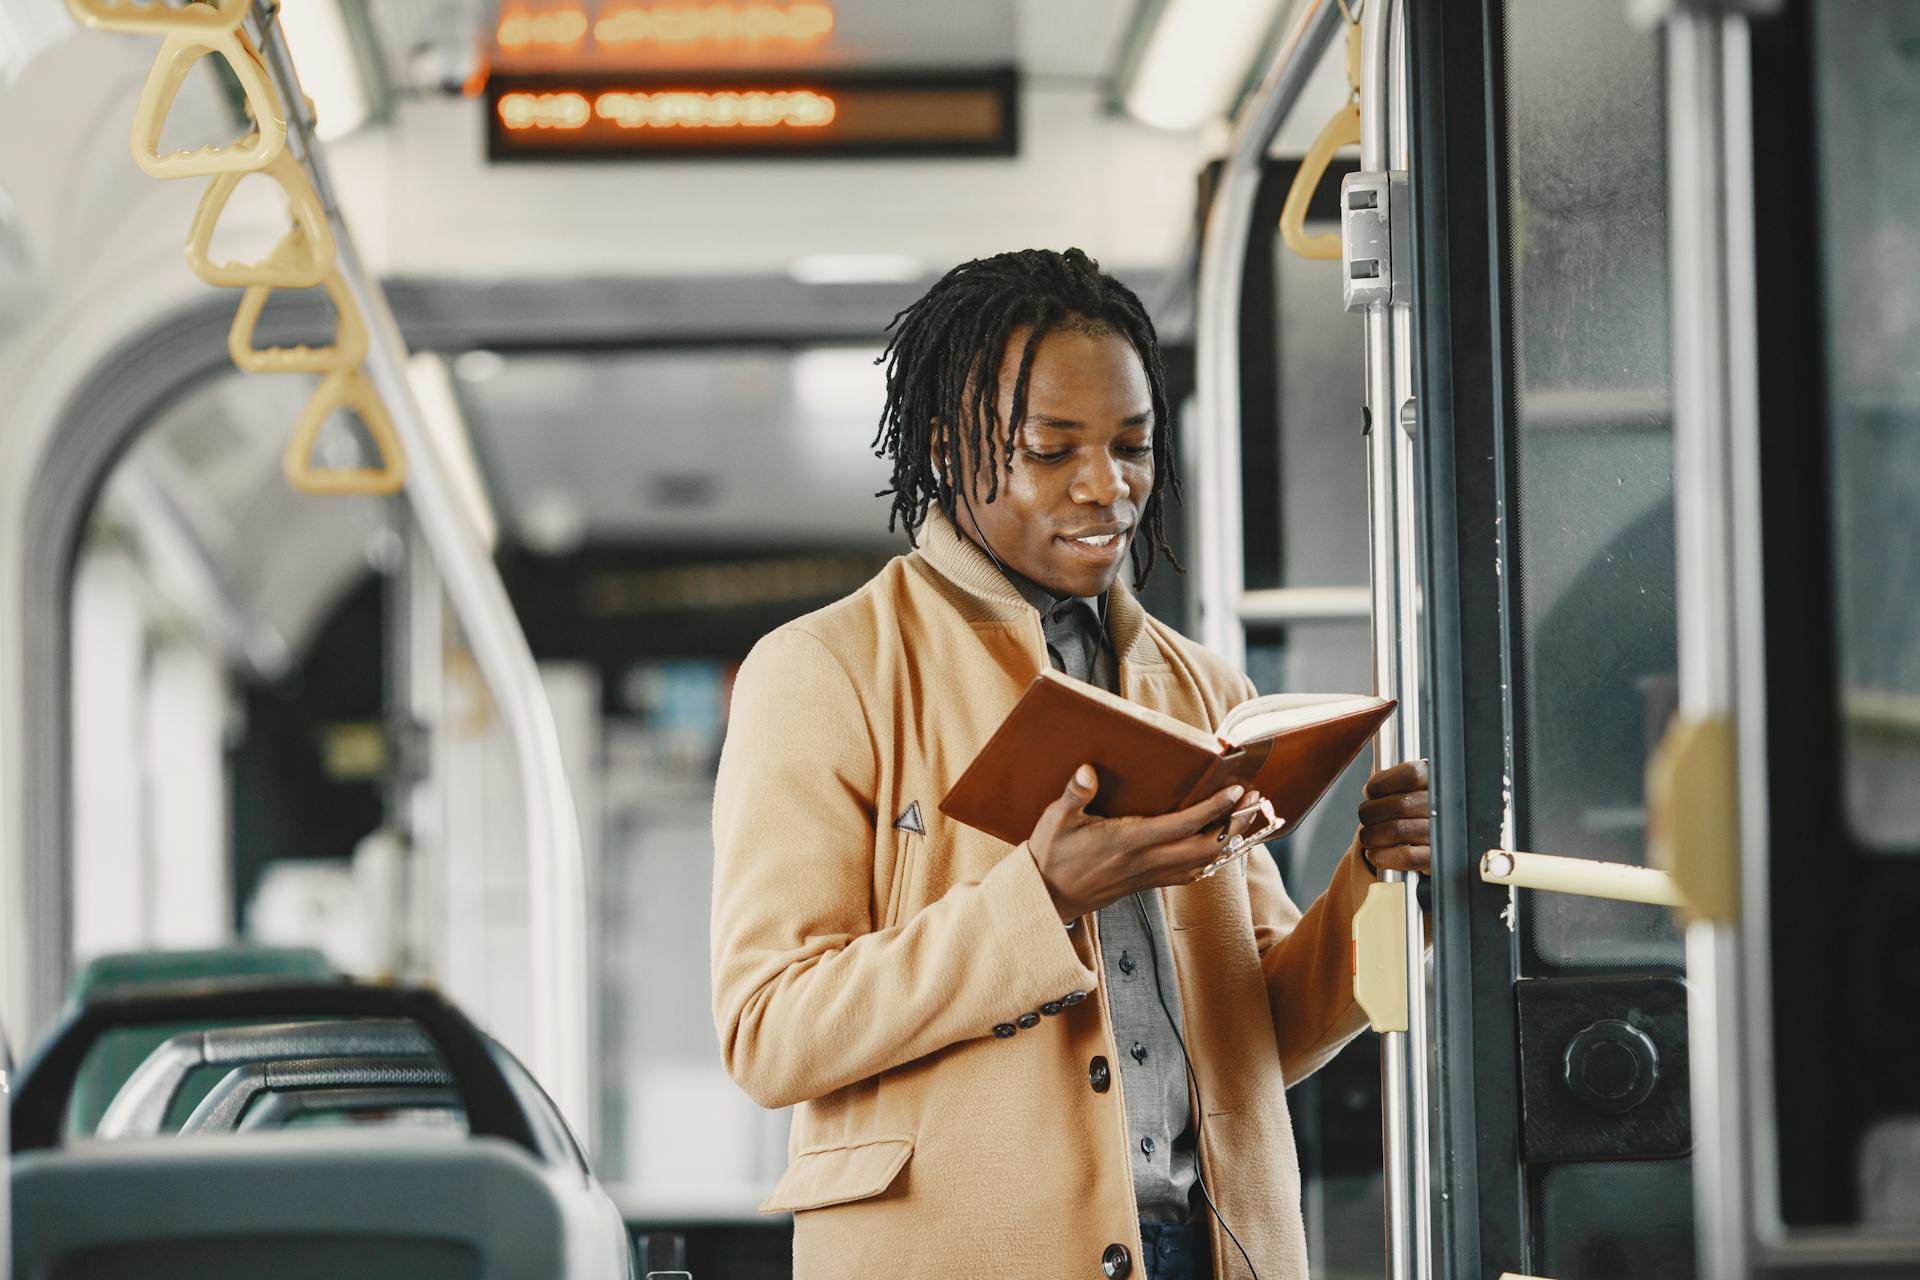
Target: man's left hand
[{"x": 1396, "y": 819}]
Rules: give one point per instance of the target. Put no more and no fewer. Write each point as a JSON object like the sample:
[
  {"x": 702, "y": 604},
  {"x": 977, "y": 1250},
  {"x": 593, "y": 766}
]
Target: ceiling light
[
  {"x": 1189, "y": 64},
  {"x": 857, "y": 268},
  {"x": 329, "y": 66}
]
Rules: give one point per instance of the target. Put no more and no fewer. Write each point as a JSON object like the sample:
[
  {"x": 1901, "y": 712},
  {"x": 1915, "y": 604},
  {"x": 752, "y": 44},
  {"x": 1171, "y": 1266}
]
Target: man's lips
[{"x": 1100, "y": 540}]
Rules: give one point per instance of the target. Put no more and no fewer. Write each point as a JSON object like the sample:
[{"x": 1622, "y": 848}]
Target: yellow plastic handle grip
[
  {"x": 155, "y": 18},
  {"x": 177, "y": 55},
  {"x": 1341, "y": 131},
  {"x": 349, "y": 335},
  {"x": 346, "y": 389},
  {"x": 303, "y": 258},
  {"x": 1380, "y": 955}
]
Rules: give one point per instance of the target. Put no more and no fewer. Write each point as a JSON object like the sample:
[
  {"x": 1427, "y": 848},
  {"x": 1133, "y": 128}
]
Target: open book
[{"x": 1288, "y": 746}]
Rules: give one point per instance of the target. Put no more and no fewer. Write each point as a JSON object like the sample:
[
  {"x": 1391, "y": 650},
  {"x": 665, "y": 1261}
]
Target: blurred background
[{"x": 652, "y": 364}]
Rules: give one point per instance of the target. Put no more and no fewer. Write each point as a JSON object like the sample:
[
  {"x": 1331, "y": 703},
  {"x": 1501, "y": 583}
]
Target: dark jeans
[{"x": 1176, "y": 1251}]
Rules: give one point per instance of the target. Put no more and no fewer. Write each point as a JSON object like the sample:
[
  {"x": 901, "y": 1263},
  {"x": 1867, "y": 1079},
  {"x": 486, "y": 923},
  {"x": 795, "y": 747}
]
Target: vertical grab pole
[
  {"x": 1393, "y": 560},
  {"x": 1219, "y": 562},
  {"x": 1722, "y": 629},
  {"x": 557, "y": 868}
]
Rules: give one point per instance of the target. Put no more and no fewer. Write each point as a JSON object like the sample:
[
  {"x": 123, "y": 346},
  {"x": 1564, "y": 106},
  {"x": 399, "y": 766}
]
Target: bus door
[
  {"x": 1544, "y": 421},
  {"x": 1794, "y": 816}
]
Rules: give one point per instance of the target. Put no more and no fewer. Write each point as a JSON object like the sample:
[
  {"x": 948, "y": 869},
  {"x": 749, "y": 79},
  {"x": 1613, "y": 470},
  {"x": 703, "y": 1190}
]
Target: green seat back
[{"x": 119, "y": 1052}]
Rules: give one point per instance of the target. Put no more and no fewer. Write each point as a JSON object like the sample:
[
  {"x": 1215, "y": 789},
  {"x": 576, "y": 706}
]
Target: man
[{"x": 990, "y": 1046}]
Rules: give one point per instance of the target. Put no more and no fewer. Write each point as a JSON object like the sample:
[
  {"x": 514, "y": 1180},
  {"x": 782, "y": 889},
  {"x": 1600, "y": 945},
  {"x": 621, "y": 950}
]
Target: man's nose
[{"x": 1100, "y": 483}]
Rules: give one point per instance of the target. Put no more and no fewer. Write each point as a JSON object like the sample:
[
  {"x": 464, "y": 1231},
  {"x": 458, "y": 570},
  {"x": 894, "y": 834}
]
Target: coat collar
[{"x": 985, "y": 595}]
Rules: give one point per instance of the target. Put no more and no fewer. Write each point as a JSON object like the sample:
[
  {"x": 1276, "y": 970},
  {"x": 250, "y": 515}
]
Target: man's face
[{"x": 1081, "y": 463}]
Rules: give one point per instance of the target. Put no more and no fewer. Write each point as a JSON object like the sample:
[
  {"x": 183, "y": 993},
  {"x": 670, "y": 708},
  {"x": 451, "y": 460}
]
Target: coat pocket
[{"x": 840, "y": 1173}]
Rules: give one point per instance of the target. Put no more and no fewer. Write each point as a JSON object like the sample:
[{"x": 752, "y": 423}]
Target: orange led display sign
[
  {"x": 606, "y": 117},
  {"x": 646, "y": 27}
]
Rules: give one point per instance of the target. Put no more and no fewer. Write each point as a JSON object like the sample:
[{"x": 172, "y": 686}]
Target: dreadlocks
[{"x": 943, "y": 367}]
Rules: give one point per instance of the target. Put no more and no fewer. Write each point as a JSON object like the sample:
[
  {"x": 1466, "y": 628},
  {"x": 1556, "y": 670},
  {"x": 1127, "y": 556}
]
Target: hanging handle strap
[
  {"x": 182, "y": 48},
  {"x": 350, "y": 339},
  {"x": 300, "y": 260},
  {"x": 155, "y": 18},
  {"x": 346, "y": 389},
  {"x": 1341, "y": 131}
]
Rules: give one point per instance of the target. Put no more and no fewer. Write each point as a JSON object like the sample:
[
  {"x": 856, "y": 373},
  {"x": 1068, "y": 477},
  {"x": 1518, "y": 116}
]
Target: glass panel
[
  {"x": 1323, "y": 458},
  {"x": 1867, "y": 113},
  {"x": 1593, "y": 521}
]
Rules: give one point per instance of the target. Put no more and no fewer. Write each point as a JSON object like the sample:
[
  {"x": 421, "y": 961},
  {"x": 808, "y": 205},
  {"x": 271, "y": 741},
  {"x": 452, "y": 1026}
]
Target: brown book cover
[{"x": 1149, "y": 763}]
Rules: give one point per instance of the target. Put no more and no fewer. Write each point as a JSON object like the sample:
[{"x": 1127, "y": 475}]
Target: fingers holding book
[{"x": 1088, "y": 862}]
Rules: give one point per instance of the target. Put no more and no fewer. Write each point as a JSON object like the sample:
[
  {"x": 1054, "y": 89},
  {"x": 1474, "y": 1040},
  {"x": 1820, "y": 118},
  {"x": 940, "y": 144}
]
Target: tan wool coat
[{"x": 860, "y": 969}]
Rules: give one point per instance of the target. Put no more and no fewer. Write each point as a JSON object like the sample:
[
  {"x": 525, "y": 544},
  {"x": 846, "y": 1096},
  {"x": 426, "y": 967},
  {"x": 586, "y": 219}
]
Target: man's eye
[
  {"x": 1038, "y": 456},
  {"x": 1136, "y": 450}
]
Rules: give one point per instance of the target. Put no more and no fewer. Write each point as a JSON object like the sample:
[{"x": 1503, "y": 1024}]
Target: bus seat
[
  {"x": 153, "y": 1091},
  {"x": 301, "y": 1205},
  {"x": 223, "y": 1109},
  {"x": 110, "y": 1067}
]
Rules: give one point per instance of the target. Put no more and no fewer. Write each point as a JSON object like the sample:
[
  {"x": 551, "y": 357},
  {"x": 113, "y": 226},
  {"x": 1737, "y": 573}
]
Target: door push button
[
  {"x": 1611, "y": 1066},
  {"x": 1116, "y": 1262}
]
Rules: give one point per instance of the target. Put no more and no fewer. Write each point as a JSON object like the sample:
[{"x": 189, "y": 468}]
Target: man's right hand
[{"x": 1088, "y": 862}]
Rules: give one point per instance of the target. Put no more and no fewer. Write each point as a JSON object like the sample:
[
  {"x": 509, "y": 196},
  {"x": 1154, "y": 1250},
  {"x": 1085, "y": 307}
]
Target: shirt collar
[{"x": 1045, "y": 601}]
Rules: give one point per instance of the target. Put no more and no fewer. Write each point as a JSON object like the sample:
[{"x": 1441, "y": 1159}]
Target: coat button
[
  {"x": 1116, "y": 1262},
  {"x": 1005, "y": 1030},
  {"x": 1073, "y": 997},
  {"x": 1051, "y": 1007},
  {"x": 1028, "y": 1021},
  {"x": 1099, "y": 1075},
  {"x": 1139, "y": 1051}
]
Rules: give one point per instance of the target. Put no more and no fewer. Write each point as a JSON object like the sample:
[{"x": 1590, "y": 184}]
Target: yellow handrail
[
  {"x": 170, "y": 67},
  {"x": 1341, "y": 131},
  {"x": 302, "y": 258},
  {"x": 346, "y": 389},
  {"x": 156, "y": 18},
  {"x": 350, "y": 337}
]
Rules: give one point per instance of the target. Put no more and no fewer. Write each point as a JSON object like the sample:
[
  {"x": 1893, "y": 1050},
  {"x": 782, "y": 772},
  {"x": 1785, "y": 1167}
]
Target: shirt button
[
  {"x": 1051, "y": 1007},
  {"x": 1028, "y": 1021},
  {"x": 1139, "y": 1051},
  {"x": 1126, "y": 963},
  {"x": 1116, "y": 1262},
  {"x": 1073, "y": 997},
  {"x": 1099, "y": 1075},
  {"x": 1005, "y": 1030},
  {"x": 1146, "y": 1146}
]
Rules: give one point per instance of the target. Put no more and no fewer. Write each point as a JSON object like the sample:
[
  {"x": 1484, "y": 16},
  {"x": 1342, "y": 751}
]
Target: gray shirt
[{"x": 1142, "y": 992}]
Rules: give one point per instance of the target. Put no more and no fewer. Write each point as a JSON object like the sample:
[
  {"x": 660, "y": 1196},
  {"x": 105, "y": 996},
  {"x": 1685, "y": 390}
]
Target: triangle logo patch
[{"x": 910, "y": 820}]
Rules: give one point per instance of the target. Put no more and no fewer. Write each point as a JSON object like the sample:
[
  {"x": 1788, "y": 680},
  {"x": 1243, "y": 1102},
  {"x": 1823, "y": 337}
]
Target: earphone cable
[{"x": 1199, "y": 1106}]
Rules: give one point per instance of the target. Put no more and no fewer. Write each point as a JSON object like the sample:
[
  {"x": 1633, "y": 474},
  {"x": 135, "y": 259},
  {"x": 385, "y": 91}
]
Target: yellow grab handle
[
  {"x": 302, "y": 258},
  {"x": 1341, "y": 131},
  {"x": 176, "y": 58},
  {"x": 1380, "y": 955},
  {"x": 1586, "y": 877},
  {"x": 156, "y": 18},
  {"x": 346, "y": 389},
  {"x": 349, "y": 335}
]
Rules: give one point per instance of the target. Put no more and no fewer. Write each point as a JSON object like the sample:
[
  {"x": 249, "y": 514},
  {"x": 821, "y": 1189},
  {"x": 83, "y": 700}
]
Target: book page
[{"x": 1275, "y": 713}]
